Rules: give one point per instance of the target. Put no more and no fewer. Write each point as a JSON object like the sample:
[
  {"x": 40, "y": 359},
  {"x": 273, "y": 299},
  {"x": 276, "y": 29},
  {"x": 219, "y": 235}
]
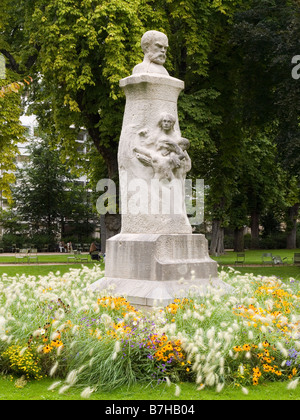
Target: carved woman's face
[{"x": 166, "y": 124}]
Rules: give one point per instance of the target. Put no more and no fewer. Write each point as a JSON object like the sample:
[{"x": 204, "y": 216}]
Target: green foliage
[
  {"x": 11, "y": 133},
  {"x": 240, "y": 107},
  {"x": 47, "y": 195}
]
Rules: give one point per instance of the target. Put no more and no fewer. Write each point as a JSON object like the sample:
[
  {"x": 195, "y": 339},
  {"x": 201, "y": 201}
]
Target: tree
[
  {"x": 82, "y": 50},
  {"x": 47, "y": 195},
  {"x": 266, "y": 35}
]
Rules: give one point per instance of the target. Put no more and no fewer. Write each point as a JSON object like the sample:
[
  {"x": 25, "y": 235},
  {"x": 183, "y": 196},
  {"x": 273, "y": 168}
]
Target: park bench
[
  {"x": 22, "y": 255},
  {"x": 240, "y": 258},
  {"x": 86, "y": 247},
  {"x": 32, "y": 255},
  {"x": 297, "y": 258},
  {"x": 267, "y": 258},
  {"x": 14, "y": 248},
  {"x": 45, "y": 248},
  {"x": 77, "y": 257},
  {"x": 277, "y": 260}
]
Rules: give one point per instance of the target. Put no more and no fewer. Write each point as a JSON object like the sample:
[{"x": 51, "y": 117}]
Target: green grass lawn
[
  {"x": 38, "y": 390},
  {"x": 42, "y": 258},
  {"x": 255, "y": 256},
  {"x": 252, "y": 257},
  {"x": 283, "y": 273},
  {"x": 43, "y": 270}
]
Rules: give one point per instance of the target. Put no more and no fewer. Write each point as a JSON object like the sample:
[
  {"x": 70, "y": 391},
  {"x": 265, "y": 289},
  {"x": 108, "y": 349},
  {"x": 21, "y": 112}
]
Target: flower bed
[{"x": 52, "y": 326}]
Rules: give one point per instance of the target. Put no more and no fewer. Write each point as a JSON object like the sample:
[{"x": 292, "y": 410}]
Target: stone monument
[{"x": 155, "y": 257}]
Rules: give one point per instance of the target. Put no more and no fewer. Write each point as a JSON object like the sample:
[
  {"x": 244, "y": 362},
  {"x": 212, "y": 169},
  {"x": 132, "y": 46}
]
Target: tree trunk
[
  {"x": 217, "y": 238},
  {"x": 254, "y": 225},
  {"x": 238, "y": 239},
  {"x": 112, "y": 221},
  {"x": 292, "y": 215}
]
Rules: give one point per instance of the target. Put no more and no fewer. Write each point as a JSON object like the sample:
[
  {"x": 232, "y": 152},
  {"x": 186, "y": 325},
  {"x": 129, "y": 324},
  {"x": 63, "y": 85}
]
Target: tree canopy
[{"x": 240, "y": 107}]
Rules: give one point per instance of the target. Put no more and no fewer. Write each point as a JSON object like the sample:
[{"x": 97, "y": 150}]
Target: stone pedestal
[{"x": 154, "y": 269}]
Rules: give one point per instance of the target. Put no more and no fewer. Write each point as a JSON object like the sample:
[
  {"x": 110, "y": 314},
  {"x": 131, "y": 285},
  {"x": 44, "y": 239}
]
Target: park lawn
[
  {"x": 38, "y": 390},
  {"x": 255, "y": 256},
  {"x": 252, "y": 256},
  {"x": 229, "y": 258},
  {"x": 42, "y": 258},
  {"x": 41, "y": 270},
  {"x": 283, "y": 272}
]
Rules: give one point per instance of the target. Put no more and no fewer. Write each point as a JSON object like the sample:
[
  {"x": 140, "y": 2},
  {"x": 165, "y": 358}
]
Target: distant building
[{"x": 31, "y": 133}]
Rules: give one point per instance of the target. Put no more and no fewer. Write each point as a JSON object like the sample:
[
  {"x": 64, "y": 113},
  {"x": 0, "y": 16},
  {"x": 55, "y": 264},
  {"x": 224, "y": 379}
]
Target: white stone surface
[{"x": 149, "y": 97}]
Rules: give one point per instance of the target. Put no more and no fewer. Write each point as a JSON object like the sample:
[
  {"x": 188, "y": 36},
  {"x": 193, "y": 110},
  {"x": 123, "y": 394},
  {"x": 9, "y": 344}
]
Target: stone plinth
[{"x": 156, "y": 268}]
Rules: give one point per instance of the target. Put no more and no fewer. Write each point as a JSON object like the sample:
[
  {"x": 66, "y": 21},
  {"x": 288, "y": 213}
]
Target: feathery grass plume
[
  {"x": 71, "y": 377},
  {"x": 293, "y": 384},
  {"x": 64, "y": 388},
  {"x": 177, "y": 390},
  {"x": 55, "y": 335},
  {"x": 86, "y": 393},
  {"x": 117, "y": 346},
  {"x": 54, "y": 385},
  {"x": 282, "y": 349},
  {"x": 168, "y": 382},
  {"x": 53, "y": 369},
  {"x": 22, "y": 351},
  {"x": 219, "y": 387},
  {"x": 91, "y": 361},
  {"x": 59, "y": 350},
  {"x": 241, "y": 369}
]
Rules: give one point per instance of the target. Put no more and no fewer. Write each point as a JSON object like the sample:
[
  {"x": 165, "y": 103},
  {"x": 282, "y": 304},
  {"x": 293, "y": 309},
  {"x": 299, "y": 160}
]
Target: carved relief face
[
  {"x": 166, "y": 124},
  {"x": 157, "y": 50}
]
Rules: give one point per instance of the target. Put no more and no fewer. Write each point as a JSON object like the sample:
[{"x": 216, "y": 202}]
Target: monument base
[{"x": 153, "y": 269}]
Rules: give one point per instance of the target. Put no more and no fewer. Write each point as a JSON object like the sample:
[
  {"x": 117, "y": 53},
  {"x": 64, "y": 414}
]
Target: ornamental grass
[{"x": 52, "y": 326}]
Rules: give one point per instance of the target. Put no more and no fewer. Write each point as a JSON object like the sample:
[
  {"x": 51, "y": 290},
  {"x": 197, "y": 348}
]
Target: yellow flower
[{"x": 47, "y": 349}]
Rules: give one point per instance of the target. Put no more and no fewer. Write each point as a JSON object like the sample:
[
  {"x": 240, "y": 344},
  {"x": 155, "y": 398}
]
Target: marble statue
[
  {"x": 155, "y": 248},
  {"x": 154, "y": 45}
]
